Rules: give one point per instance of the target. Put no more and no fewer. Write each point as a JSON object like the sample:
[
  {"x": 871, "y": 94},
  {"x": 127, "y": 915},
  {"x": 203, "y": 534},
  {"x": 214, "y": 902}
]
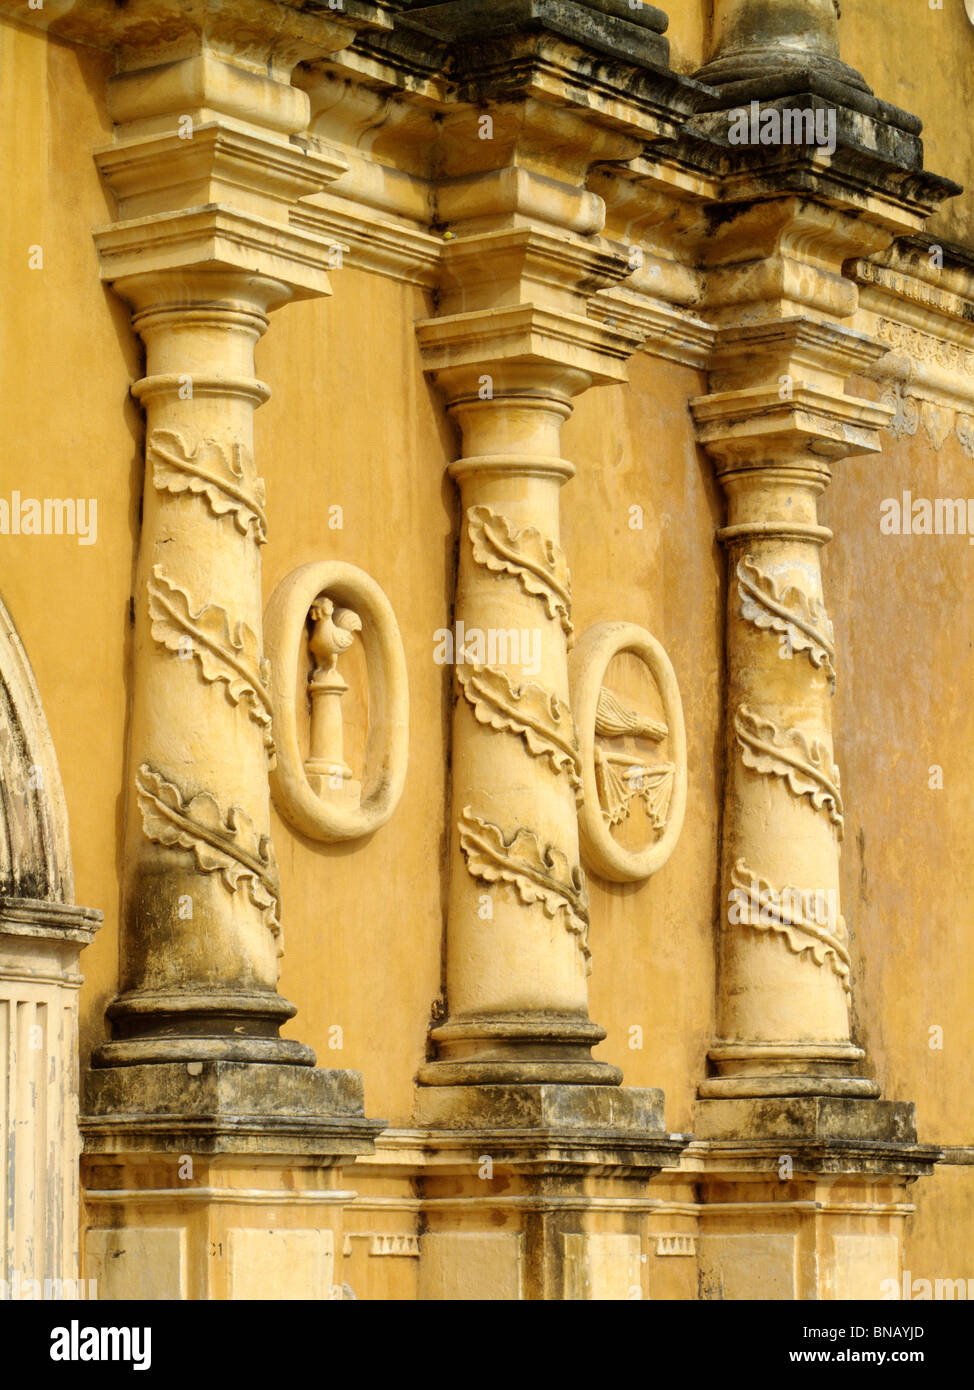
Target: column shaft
[{"x": 199, "y": 862}]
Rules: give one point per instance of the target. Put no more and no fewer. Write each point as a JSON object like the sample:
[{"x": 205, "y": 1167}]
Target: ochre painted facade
[{"x": 357, "y": 419}]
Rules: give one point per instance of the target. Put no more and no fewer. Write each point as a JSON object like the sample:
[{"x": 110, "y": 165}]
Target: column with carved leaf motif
[
  {"x": 785, "y": 975},
  {"x": 517, "y": 945},
  {"x": 205, "y": 174},
  {"x": 196, "y": 1085}
]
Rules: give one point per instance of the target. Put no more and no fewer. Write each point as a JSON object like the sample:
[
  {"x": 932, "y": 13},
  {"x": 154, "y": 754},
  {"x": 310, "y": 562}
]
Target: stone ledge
[
  {"x": 45, "y": 919},
  {"x": 636, "y": 39},
  {"x": 599, "y": 1111},
  {"x": 807, "y": 1117},
  {"x": 226, "y": 1107},
  {"x": 823, "y": 1134}
]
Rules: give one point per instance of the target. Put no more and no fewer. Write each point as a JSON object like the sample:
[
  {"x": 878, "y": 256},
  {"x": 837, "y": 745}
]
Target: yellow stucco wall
[
  {"x": 353, "y": 423},
  {"x": 905, "y": 629},
  {"x": 922, "y": 60},
  {"x": 652, "y": 943},
  {"x": 363, "y": 921}
]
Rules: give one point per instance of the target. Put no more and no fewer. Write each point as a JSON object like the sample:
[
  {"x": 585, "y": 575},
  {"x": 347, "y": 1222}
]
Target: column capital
[
  {"x": 211, "y": 255},
  {"x": 780, "y": 403},
  {"x": 525, "y": 348}
]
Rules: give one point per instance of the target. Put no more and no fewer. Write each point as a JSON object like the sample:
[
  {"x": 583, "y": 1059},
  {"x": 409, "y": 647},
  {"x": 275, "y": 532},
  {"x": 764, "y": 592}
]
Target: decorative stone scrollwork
[
  {"x": 611, "y": 778},
  {"x": 225, "y": 844},
  {"x": 228, "y": 480},
  {"x": 792, "y": 913},
  {"x": 806, "y": 764},
  {"x": 342, "y": 601},
  {"x": 965, "y": 433},
  {"x": 226, "y": 652},
  {"x": 801, "y": 620},
  {"x": 906, "y": 413},
  {"x": 542, "y": 720},
  {"x": 537, "y": 563},
  {"x": 539, "y": 873}
]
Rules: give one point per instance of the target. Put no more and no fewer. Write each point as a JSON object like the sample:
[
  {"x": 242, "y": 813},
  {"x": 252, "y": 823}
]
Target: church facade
[{"x": 486, "y": 816}]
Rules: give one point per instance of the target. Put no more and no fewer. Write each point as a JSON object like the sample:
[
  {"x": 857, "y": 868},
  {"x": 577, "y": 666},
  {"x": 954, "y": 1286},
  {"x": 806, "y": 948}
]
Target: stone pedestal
[
  {"x": 219, "y": 1180},
  {"x": 538, "y": 1191},
  {"x": 804, "y": 1197}
]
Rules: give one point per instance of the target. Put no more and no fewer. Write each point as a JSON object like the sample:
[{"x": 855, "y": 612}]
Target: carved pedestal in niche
[{"x": 314, "y": 794}]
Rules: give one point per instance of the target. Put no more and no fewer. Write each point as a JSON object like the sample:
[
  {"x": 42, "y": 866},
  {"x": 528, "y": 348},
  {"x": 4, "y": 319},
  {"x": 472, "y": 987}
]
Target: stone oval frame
[
  {"x": 387, "y": 746},
  {"x": 588, "y": 664}
]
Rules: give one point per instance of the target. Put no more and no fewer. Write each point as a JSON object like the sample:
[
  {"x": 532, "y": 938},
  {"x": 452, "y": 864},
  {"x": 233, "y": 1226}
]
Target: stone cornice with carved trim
[{"x": 917, "y": 299}]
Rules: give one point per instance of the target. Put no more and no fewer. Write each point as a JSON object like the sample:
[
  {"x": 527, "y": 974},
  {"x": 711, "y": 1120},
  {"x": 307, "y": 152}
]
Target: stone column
[
  {"x": 514, "y": 1094},
  {"x": 513, "y": 1115},
  {"x": 517, "y": 933},
  {"x": 199, "y": 864},
  {"x": 197, "y": 1099},
  {"x": 777, "y": 416},
  {"x": 749, "y": 36},
  {"x": 803, "y": 1171},
  {"x": 201, "y": 925},
  {"x": 783, "y": 1008}
]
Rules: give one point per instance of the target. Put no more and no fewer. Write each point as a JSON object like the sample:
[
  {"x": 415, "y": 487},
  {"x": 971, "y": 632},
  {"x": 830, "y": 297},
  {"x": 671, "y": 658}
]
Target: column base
[
  {"x": 154, "y": 1027},
  {"x": 518, "y": 1050},
  {"x": 804, "y": 1197},
  {"x": 219, "y": 1180},
  {"x": 225, "y": 1107},
  {"x": 786, "y": 1069}
]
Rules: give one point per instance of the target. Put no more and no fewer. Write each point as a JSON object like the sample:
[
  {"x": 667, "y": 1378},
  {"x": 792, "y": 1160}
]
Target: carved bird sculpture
[{"x": 334, "y": 632}]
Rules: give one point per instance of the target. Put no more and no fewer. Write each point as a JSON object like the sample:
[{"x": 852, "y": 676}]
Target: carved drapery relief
[
  {"x": 934, "y": 406},
  {"x": 613, "y": 776},
  {"x": 619, "y": 776},
  {"x": 342, "y": 601}
]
